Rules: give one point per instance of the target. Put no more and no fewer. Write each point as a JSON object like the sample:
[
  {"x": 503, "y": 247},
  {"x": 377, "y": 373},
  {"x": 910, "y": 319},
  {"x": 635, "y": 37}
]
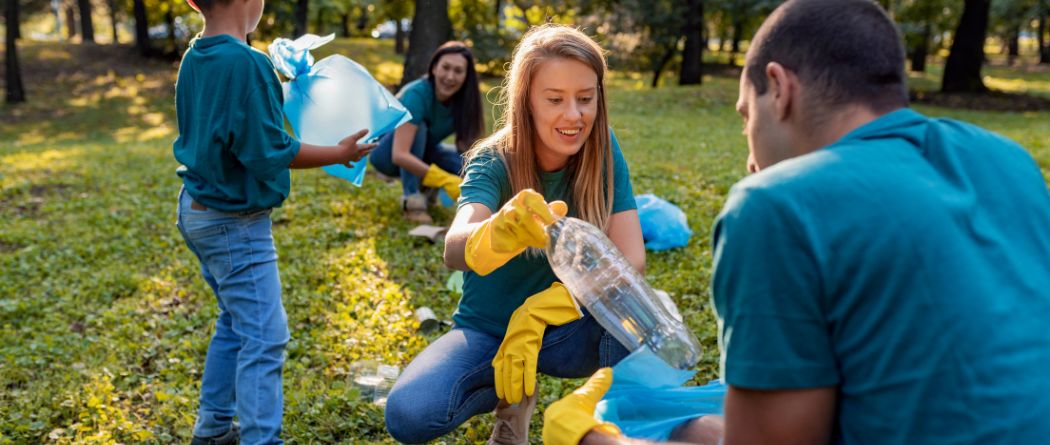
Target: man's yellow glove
[
  {"x": 519, "y": 224},
  {"x": 515, "y": 361},
  {"x": 566, "y": 421},
  {"x": 436, "y": 177}
]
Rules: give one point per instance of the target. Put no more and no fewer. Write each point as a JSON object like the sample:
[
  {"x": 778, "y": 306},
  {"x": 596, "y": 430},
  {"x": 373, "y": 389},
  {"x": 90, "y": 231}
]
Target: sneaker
[
  {"x": 415, "y": 207},
  {"x": 512, "y": 422},
  {"x": 231, "y": 437}
]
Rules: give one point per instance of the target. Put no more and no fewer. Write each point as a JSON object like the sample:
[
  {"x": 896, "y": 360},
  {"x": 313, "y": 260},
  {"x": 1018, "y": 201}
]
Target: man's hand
[{"x": 350, "y": 151}]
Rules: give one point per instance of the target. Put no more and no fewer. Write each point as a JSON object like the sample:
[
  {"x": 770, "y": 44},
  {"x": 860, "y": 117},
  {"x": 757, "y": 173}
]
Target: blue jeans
[
  {"x": 242, "y": 373},
  {"x": 452, "y": 379},
  {"x": 444, "y": 155}
]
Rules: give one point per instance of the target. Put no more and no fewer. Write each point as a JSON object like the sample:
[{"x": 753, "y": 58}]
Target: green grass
[{"x": 104, "y": 319}]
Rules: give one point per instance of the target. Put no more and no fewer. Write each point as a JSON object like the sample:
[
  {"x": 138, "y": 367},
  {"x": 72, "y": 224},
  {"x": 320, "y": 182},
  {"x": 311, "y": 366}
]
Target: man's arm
[{"x": 783, "y": 417}]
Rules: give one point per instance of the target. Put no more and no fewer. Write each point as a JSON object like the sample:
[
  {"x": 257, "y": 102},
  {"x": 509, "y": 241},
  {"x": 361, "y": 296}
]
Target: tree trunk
[
  {"x": 302, "y": 8},
  {"x": 738, "y": 31},
  {"x": 430, "y": 28},
  {"x": 87, "y": 29},
  {"x": 16, "y": 92},
  {"x": 346, "y": 24},
  {"x": 169, "y": 20},
  {"x": 693, "y": 52},
  {"x": 141, "y": 29},
  {"x": 399, "y": 37},
  {"x": 671, "y": 49},
  {"x": 319, "y": 22},
  {"x": 18, "y": 25},
  {"x": 113, "y": 19},
  {"x": 919, "y": 53},
  {"x": 1044, "y": 47},
  {"x": 71, "y": 22},
  {"x": 962, "y": 72},
  {"x": 1013, "y": 44},
  {"x": 499, "y": 15}
]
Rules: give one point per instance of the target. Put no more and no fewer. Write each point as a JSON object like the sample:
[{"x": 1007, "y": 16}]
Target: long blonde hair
[{"x": 590, "y": 169}]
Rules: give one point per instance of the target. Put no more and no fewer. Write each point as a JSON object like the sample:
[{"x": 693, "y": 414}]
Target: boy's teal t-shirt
[
  {"x": 419, "y": 99},
  {"x": 488, "y": 301},
  {"x": 908, "y": 265},
  {"x": 232, "y": 144}
]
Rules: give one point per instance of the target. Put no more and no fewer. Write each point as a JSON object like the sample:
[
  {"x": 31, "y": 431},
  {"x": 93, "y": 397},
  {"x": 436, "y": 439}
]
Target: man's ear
[{"x": 784, "y": 87}]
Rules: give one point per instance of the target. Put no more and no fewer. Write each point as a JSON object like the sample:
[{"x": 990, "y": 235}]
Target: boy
[{"x": 235, "y": 158}]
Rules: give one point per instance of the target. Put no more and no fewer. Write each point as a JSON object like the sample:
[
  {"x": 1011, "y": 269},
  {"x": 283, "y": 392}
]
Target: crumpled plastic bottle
[{"x": 603, "y": 281}]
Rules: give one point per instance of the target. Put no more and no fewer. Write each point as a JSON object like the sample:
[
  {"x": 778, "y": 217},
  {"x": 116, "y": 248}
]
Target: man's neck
[{"x": 839, "y": 123}]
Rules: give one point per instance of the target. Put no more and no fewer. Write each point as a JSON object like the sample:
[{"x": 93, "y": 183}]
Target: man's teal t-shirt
[
  {"x": 419, "y": 99},
  {"x": 488, "y": 301},
  {"x": 907, "y": 264},
  {"x": 232, "y": 144}
]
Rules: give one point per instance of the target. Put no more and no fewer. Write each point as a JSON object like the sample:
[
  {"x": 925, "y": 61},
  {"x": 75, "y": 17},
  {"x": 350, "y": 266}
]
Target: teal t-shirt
[
  {"x": 488, "y": 301},
  {"x": 232, "y": 144},
  {"x": 907, "y": 264},
  {"x": 419, "y": 99}
]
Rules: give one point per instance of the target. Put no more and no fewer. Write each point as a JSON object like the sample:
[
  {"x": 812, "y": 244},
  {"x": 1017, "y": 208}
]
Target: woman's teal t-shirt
[
  {"x": 419, "y": 99},
  {"x": 488, "y": 301}
]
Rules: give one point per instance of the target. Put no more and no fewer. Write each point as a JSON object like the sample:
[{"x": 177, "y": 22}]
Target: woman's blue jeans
[
  {"x": 444, "y": 155},
  {"x": 242, "y": 372},
  {"x": 452, "y": 379}
]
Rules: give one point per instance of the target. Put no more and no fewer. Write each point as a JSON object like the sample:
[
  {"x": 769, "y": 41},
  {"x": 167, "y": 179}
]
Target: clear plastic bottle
[{"x": 603, "y": 281}]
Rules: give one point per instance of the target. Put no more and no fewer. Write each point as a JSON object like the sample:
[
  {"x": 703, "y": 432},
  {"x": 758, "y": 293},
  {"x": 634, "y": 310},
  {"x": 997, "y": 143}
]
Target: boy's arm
[{"x": 347, "y": 151}]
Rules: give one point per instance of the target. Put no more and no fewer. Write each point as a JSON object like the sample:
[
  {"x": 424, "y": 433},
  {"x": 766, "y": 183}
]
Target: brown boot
[
  {"x": 512, "y": 422},
  {"x": 415, "y": 207}
]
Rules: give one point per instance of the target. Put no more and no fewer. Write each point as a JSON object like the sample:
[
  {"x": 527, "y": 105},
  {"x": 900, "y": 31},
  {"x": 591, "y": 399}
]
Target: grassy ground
[{"x": 104, "y": 319}]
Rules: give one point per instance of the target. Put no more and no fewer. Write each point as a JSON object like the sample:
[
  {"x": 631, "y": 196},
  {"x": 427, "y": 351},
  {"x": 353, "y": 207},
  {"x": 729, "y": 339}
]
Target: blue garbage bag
[
  {"x": 647, "y": 399},
  {"x": 330, "y": 100},
  {"x": 663, "y": 224}
]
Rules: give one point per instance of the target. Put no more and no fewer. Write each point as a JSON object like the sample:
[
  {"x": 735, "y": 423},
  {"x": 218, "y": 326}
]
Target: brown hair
[
  {"x": 466, "y": 103},
  {"x": 590, "y": 171}
]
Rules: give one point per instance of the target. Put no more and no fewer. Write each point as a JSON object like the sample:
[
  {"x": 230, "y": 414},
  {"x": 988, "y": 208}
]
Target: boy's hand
[{"x": 351, "y": 151}]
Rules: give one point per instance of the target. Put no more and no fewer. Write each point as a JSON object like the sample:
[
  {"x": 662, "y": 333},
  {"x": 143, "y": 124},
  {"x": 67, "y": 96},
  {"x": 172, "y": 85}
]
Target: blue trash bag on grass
[
  {"x": 647, "y": 399},
  {"x": 330, "y": 100},
  {"x": 663, "y": 224}
]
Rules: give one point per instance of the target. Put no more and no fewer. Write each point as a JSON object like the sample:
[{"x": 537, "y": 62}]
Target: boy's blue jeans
[
  {"x": 242, "y": 373},
  {"x": 453, "y": 380},
  {"x": 444, "y": 155}
]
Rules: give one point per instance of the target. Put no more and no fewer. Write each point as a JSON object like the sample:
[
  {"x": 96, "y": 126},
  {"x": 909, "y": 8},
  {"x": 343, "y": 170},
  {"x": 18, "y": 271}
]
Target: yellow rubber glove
[
  {"x": 519, "y": 224},
  {"x": 566, "y": 421},
  {"x": 515, "y": 361},
  {"x": 436, "y": 177}
]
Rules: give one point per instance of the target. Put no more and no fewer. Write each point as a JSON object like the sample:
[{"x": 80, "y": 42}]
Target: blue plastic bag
[
  {"x": 647, "y": 399},
  {"x": 663, "y": 224},
  {"x": 330, "y": 100}
]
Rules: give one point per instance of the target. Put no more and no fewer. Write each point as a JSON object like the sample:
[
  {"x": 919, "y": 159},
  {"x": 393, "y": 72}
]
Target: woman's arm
[
  {"x": 467, "y": 219},
  {"x": 401, "y": 152},
  {"x": 625, "y": 231}
]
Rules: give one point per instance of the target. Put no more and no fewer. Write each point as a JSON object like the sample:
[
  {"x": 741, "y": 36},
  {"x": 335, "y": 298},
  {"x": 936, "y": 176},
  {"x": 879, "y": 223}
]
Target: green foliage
[{"x": 105, "y": 320}]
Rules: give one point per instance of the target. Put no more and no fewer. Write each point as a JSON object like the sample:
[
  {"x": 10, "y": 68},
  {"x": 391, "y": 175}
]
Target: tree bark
[
  {"x": 71, "y": 22},
  {"x": 346, "y": 24},
  {"x": 113, "y": 19},
  {"x": 1044, "y": 47},
  {"x": 399, "y": 37},
  {"x": 671, "y": 49},
  {"x": 302, "y": 8},
  {"x": 142, "y": 43},
  {"x": 919, "y": 53},
  {"x": 1013, "y": 44},
  {"x": 87, "y": 29},
  {"x": 962, "y": 71},
  {"x": 693, "y": 52},
  {"x": 169, "y": 20},
  {"x": 16, "y": 92},
  {"x": 430, "y": 28}
]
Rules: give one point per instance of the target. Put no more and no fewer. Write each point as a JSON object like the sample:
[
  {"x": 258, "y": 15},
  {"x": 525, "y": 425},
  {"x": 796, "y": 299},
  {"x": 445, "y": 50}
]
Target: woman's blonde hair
[{"x": 590, "y": 171}]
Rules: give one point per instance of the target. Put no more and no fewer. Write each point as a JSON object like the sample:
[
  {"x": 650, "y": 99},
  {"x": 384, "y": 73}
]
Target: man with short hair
[{"x": 884, "y": 277}]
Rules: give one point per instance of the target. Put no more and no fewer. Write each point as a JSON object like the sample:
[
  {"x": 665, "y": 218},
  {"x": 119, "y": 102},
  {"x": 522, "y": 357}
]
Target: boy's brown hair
[{"x": 205, "y": 5}]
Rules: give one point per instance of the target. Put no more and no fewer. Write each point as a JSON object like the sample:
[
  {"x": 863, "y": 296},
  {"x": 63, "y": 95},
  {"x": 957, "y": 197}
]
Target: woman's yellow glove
[
  {"x": 515, "y": 361},
  {"x": 566, "y": 421},
  {"x": 436, "y": 177},
  {"x": 519, "y": 224}
]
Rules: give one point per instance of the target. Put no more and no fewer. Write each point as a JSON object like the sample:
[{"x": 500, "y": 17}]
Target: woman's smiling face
[{"x": 563, "y": 101}]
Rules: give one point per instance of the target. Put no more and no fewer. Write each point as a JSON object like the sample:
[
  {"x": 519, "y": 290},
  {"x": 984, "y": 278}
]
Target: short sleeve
[
  {"x": 483, "y": 181},
  {"x": 415, "y": 101},
  {"x": 623, "y": 192},
  {"x": 767, "y": 294},
  {"x": 260, "y": 142}
]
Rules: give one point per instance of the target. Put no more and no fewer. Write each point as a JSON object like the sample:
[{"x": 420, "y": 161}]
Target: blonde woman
[{"x": 554, "y": 145}]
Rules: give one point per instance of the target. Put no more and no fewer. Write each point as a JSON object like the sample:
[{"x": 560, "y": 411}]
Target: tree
[
  {"x": 430, "y": 28},
  {"x": 142, "y": 43},
  {"x": 692, "y": 55},
  {"x": 962, "y": 71},
  {"x": 16, "y": 92},
  {"x": 1044, "y": 47},
  {"x": 922, "y": 23},
  {"x": 113, "y": 20},
  {"x": 87, "y": 29},
  {"x": 302, "y": 9}
]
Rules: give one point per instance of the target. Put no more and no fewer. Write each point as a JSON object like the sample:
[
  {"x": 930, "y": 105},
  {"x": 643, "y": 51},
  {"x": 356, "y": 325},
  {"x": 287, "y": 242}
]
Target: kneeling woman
[
  {"x": 445, "y": 100},
  {"x": 555, "y": 140}
]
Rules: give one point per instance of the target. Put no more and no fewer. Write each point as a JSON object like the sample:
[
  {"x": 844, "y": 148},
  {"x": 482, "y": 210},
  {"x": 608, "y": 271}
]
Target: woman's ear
[{"x": 783, "y": 84}]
